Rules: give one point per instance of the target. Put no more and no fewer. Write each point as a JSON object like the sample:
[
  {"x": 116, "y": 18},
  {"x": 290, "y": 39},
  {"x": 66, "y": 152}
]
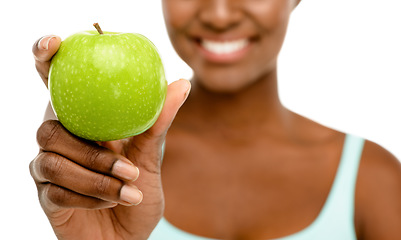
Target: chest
[{"x": 245, "y": 190}]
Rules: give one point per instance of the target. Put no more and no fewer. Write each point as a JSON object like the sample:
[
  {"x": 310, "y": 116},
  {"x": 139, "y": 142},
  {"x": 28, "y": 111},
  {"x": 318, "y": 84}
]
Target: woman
[{"x": 237, "y": 164}]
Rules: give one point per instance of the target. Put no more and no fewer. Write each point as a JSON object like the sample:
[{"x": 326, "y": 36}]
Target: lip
[{"x": 223, "y": 56}]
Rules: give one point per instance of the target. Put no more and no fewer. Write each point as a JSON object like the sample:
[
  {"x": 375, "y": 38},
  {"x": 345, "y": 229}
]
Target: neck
[{"x": 252, "y": 106}]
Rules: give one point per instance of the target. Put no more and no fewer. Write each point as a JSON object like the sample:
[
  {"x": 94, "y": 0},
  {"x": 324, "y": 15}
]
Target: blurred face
[{"x": 229, "y": 44}]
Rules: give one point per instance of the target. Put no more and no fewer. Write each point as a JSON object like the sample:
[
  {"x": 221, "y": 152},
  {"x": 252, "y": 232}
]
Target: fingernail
[
  {"x": 130, "y": 195},
  {"x": 111, "y": 205},
  {"x": 43, "y": 43},
  {"x": 188, "y": 91},
  {"x": 125, "y": 170}
]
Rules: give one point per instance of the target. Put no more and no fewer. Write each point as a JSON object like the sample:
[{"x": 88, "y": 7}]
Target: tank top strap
[
  {"x": 336, "y": 219},
  {"x": 340, "y": 202}
]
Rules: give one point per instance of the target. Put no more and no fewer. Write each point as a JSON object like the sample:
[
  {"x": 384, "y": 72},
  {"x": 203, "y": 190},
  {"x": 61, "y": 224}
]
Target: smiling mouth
[{"x": 224, "y": 47}]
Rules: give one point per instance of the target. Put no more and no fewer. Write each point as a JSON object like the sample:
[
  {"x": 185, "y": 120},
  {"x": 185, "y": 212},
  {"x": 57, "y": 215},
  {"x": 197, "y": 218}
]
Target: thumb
[
  {"x": 150, "y": 142},
  {"x": 177, "y": 93}
]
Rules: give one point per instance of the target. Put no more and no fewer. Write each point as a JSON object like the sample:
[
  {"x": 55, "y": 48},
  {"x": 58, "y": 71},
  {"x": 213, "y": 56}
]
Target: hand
[{"x": 92, "y": 190}]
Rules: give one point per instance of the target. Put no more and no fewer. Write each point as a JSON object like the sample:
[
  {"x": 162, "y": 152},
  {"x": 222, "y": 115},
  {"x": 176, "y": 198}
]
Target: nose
[{"x": 220, "y": 15}]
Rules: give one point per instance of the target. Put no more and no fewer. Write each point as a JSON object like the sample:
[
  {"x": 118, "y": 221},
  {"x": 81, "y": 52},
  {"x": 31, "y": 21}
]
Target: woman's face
[{"x": 229, "y": 44}]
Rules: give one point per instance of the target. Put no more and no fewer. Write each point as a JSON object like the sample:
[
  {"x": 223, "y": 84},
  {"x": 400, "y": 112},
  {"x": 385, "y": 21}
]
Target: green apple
[{"x": 107, "y": 86}]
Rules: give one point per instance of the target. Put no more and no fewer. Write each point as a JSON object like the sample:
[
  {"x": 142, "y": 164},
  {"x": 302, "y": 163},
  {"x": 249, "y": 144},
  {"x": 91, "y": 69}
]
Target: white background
[{"x": 340, "y": 66}]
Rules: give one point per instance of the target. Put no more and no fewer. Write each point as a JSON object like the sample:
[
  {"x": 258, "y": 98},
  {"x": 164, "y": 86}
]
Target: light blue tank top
[{"x": 334, "y": 222}]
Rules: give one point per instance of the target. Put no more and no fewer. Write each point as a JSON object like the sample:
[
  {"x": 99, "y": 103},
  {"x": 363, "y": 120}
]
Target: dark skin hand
[
  {"x": 238, "y": 164},
  {"x": 89, "y": 190}
]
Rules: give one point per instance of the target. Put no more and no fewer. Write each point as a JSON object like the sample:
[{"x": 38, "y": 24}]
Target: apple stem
[{"x": 96, "y": 25}]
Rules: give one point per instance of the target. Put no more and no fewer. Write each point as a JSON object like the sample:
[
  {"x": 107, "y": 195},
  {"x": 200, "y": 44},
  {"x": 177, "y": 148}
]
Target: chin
[{"x": 222, "y": 86}]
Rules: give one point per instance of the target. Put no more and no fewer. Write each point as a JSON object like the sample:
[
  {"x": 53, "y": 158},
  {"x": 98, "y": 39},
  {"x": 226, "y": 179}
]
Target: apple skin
[{"x": 107, "y": 86}]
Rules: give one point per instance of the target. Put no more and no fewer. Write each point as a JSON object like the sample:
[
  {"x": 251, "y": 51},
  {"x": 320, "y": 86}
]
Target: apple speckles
[{"x": 113, "y": 88}]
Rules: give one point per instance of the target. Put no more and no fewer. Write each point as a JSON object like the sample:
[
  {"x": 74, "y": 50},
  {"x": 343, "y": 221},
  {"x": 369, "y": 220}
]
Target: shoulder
[
  {"x": 380, "y": 163},
  {"x": 378, "y": 194},
  {"x": 379, "y": 167}
]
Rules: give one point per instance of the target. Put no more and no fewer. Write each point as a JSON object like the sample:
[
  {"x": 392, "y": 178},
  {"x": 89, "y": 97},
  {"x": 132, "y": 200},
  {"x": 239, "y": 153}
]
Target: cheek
[
  {"x": 271, "y": 13},
  {"x": 178, "y": 15},
  {"x": 271, "y": 18}
]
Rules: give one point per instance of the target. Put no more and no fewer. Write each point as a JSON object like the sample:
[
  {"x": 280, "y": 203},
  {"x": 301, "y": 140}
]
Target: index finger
[
  {"x": 43, "y": 50},
  {"x": 53, "y": 137}
]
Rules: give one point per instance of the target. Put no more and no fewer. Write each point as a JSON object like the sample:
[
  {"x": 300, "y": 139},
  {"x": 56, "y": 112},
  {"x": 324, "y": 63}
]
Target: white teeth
[{"x": 225, "y": 47}]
